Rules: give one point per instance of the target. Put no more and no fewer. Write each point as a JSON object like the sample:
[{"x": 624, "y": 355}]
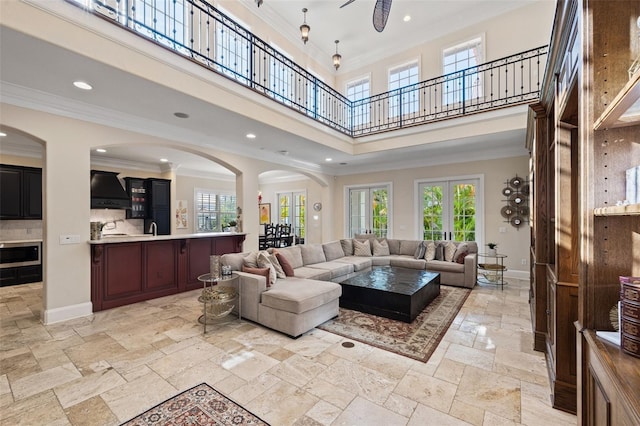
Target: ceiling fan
[{"x": 380, "y": 13}]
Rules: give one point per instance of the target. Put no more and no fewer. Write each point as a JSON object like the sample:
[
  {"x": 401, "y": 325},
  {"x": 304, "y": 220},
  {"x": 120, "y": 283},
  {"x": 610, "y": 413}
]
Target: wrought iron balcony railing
[{"x": 202, "y": 33}]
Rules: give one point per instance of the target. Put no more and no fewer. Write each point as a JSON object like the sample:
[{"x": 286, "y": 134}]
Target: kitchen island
[{"x": 133, "y": 268}]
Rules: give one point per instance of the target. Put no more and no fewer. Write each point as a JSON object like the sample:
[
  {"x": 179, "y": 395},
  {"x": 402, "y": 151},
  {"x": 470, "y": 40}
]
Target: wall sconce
[
  {"x": 304, "y": 28},
  {"x": 337, "y": 57}
]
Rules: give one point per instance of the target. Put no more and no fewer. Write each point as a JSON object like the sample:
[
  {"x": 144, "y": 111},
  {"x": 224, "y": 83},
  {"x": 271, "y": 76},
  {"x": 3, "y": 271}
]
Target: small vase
[{"x": 492, "y": 252}]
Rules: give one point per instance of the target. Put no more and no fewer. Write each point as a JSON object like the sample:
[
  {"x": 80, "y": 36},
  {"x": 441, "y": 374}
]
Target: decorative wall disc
[
  {"x": 516, "y": 199},
  {"x": 507, "y": 212},
  {"x": 507, "y": 191},
  {"x": 523, "y": 211},
  {"x": 516, "y": 221},
  {"x": 515, "y": 182}
]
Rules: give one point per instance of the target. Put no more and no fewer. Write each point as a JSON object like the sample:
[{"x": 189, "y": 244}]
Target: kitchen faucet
[{"x": 153, "y": 228}]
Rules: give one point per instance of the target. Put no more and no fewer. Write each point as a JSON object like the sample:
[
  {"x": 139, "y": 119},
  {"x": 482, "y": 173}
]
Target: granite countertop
[
  {"x": 31, "y": 240},
  {"x": 106, "y": 239}
]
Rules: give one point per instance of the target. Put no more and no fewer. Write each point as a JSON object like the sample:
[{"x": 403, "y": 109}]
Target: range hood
[{"x": 107, "y": 191}]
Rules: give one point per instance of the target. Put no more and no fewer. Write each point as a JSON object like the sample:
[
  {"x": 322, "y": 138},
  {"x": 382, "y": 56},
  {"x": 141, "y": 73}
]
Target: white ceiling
[{"x": 138, "y": 104}]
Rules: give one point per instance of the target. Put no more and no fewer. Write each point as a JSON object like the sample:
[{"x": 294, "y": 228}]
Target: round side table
[
  {"x": 492, "y": 270},
  {"x": 218, "y": 301}
]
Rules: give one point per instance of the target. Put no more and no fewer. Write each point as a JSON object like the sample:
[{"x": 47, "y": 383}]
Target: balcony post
[{"x": 464, "y": 98}]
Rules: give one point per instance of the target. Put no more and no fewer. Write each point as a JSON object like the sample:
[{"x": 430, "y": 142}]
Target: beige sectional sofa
[{"x": 298, "y": 303}]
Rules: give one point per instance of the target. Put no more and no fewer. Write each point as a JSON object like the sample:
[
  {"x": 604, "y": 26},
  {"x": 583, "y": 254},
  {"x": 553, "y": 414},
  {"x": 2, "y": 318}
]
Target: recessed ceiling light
[
  {"x": 328, "y": 159},
  {"x": 82, "y": 85},
  {"x": 406, "y": 18},
  {"x": 250, "y": 136},
  {"x": 181, "y": 114},
  {"x": 164, "y": 160},
  {"x": 101, "y": 150},
  {"x": 2, "y": 134}
]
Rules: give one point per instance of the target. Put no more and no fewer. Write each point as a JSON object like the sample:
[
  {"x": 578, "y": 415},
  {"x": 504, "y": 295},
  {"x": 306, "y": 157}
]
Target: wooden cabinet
[
  {"x": 158, "y": 205},
  {"x": 583, "y": 137},
  {"x": 137, "y": 190},
  {"x": 130, "y": 272},
  {"x": 20, "y": 192}
]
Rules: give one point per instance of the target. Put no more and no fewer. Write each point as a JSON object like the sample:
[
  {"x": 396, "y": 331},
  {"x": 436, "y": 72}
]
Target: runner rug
[
  {"x": 200, "y": 405},
  {"x": 417, "y": 340}
]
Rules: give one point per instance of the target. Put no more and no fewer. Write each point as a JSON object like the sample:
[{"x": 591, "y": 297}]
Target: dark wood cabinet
[
  {"x": 20, "y": 275},
  {"x": 137, "y": 190},
  {"x": 581, "y": 144},
  {"x": 130, "y": 272},
  {"x": 158, "y": 205},
  {"x": 20, "y": 192}
]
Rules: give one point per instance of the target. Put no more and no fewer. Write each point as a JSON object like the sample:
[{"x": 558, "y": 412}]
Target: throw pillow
[
  {"x": 460, "y": 257},
  {"x": 257, "y": 271},
  {"x": 449, "y": 251},
  {"x": 361, "y": 248},
  {"x": 430, "y": 252},
  {"x": 439, "y": 252},
  {"x": 276, "y": 264},
  {"x": 462, "y": 248},
  {"x": 264, "y": 262},
  {"x": 286, "y": 266},
  {"x": 420, "y": 250},
  {"x": 251, "y": 260},
  {"x": 380, "y": 248}
]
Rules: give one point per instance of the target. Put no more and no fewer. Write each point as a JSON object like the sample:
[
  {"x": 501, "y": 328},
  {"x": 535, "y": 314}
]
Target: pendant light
[
  {"x": 304, "y": 28},
  {"x": 337, "y": 57}
]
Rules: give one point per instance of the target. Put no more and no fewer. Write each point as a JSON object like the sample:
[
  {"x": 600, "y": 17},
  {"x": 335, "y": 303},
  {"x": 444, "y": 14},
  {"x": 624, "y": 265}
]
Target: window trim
[
  {"x": 347, "y": 205},
  {"x": 466, "y": 40}
]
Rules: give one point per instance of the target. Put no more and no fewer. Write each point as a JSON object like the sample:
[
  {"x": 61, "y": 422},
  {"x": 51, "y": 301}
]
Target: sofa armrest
[
  {"x": 252, "y": 288},
  {"x": 470, "y": 270}
]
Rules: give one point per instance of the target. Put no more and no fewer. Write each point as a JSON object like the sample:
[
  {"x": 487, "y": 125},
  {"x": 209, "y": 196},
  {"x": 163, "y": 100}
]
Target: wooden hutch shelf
[
  {"x": 628, "y": 210},
  {"x": 625, "y": 108}
]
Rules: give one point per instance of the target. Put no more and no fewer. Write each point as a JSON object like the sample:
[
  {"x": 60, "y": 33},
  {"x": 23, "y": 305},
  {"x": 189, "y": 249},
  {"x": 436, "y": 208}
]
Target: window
[
  {"x": 232, "y": 48},
  {"x": 291, "y": 210},
  {"x": 450, "y": 209},
  {"x": 214, "y": 209},
  {"x": 369, "y": 210},
  {"x": 462, "y": 85},
  {"x": 405, "y": 101},
  {"x": 161, "y": 20},
  {"x": 313, "y": 93},
  {"x": 359, "y": 90},
  {"x": 281, "y": 77}
]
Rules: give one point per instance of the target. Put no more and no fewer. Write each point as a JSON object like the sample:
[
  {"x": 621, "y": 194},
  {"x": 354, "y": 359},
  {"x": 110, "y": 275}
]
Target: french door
[
  {"x": 450, "y": 209},
  {"x": 368, "y": 210}
]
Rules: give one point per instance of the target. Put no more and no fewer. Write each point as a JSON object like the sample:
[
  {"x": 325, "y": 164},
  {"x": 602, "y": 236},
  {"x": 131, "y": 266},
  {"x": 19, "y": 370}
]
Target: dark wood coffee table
[{"x": 391, "y": 292}]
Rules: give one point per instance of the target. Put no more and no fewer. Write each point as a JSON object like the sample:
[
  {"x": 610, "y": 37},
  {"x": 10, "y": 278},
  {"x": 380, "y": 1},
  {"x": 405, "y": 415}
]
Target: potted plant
[
  {"x": 492, "y": 249},
  {"x": 230, "y": 227}
]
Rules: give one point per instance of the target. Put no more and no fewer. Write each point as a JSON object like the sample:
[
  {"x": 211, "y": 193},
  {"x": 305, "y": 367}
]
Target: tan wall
[{"x": 514, "y": 241}]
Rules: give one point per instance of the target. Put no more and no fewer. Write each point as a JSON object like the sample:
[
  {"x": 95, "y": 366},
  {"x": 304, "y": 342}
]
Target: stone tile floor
[{"x": 107, "y": 368}]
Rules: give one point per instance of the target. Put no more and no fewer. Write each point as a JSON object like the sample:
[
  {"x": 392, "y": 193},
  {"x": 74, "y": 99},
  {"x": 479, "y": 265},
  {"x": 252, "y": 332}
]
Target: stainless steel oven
[{"x": 20, "y": 254}]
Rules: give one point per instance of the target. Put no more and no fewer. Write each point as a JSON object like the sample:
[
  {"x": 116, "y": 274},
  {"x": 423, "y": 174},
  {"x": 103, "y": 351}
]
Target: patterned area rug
[
  {"x": 417, "y": 340},
  {"x": 200, "y": 405}
]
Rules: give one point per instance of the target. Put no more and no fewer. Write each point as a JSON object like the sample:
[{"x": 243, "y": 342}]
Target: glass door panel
[{"x": 449, "y": 210}]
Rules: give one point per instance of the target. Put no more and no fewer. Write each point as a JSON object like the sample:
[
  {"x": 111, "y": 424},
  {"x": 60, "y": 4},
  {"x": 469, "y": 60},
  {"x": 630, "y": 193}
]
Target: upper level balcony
[{"x": 198, "y": 31}]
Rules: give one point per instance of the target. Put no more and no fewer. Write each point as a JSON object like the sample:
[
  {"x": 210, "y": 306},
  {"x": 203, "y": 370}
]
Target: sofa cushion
[
  {"x": 276, "y": 264},
  {"x": 381, "y": 260},
  {"x": 444, "y": 266},
  {"x": 407, "y": 262},
  {"x": 312, "y": 273},
  {"x": 361, "y": 248},
  {"x": 430, "y": 252},
  {"x": 394, "y": 246},
  {"x": 420, "y": 251},
  {"x": 359, "y": 263},
  {"x": 347, "y": 246},
  {"x": 251, "y": 260},
  {"x": 264, "y": 262},
  {"x": 380, "y": 248},
  {"x": 298, "y": 296},
  {"x": 409, "y": 247},
  {"x": 293, "y": 255},
  {"x": 235, "y": 260},
  {"x": 332, "y": 250},
  {"x": 336, "y": 268},
  {"x": 439, "y": 252},
  {"x": 312, "y": 253},
  {"x": 284, "y": 263},
  {"x": 449, "y": 250}
]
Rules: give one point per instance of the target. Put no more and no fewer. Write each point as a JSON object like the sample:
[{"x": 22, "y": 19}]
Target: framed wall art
[{"x": 265, "y": 213}]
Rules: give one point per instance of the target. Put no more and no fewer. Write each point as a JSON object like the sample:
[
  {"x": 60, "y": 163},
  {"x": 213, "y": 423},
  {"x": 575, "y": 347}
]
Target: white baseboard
[
  {"x": 519, "y": 275},
  {"x": 51, "y": 316}
]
